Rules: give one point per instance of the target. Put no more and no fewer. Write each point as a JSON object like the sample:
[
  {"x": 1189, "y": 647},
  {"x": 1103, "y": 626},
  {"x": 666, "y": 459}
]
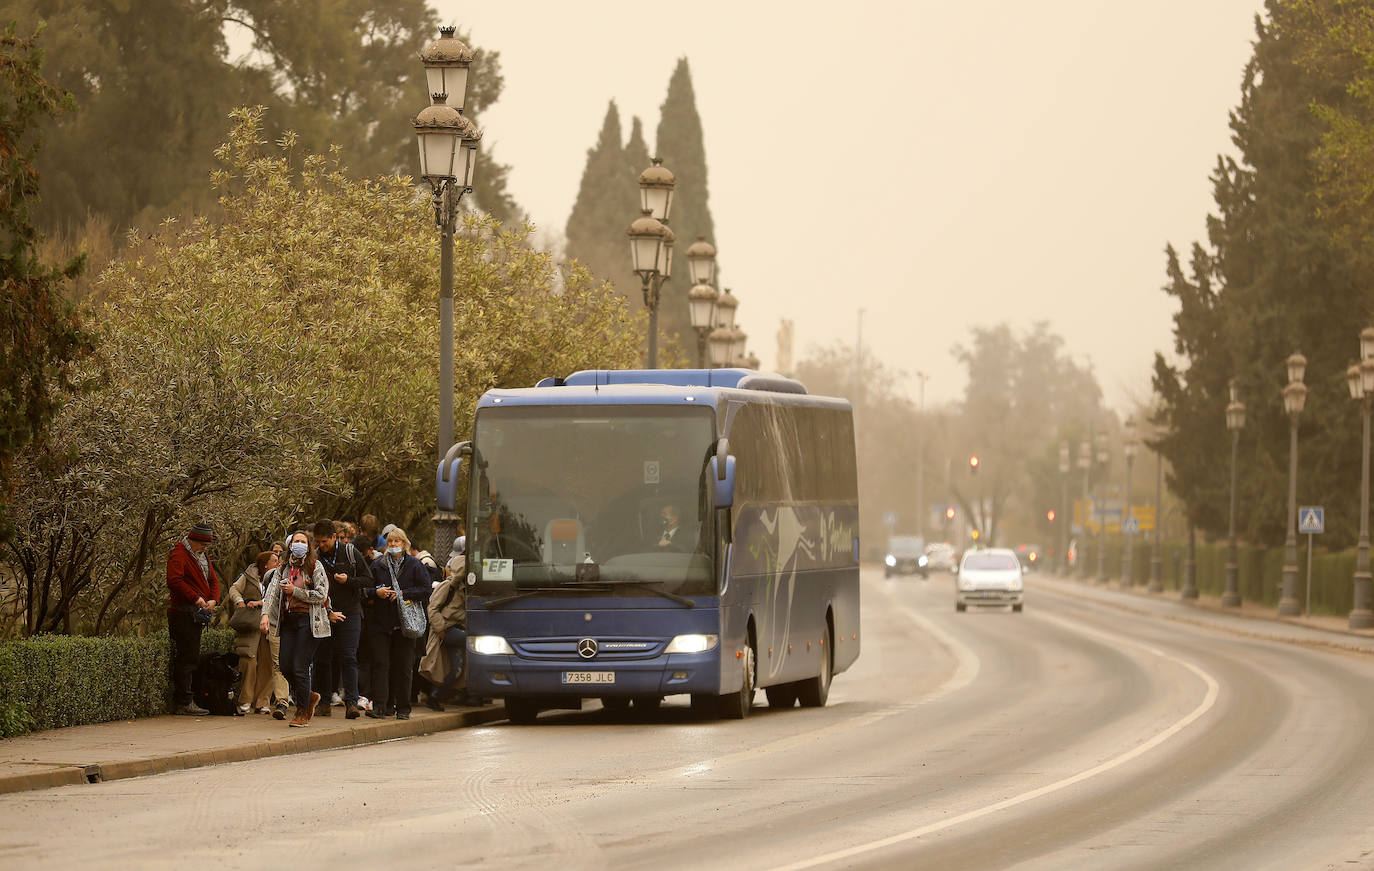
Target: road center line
[{"x": 1209, "y": 699}]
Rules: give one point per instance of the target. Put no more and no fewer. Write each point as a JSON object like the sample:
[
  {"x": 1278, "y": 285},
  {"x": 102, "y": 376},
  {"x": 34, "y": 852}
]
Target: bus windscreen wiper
[
  {"x": 640, "y": 585},
  {"x": 574, "y": 589}
]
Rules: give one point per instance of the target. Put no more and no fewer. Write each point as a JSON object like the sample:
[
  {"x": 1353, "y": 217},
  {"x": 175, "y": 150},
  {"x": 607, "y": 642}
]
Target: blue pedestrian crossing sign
[{"x": 1311, "y": 520}]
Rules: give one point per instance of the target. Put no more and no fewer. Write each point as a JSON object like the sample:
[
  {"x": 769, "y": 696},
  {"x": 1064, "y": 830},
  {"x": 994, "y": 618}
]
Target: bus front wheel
[
  {"x": 735, "y": 706},
  {"x": 813, "y": 692}
]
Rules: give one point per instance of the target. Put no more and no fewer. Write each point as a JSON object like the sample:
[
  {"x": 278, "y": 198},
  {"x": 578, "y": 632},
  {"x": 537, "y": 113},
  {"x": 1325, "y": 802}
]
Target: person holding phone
[
  {"x": 392, "y": 655},
  {"x": 295, "y": 606}
]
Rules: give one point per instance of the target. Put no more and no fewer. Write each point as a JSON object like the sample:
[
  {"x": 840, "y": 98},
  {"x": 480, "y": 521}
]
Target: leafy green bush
[{"x": 52, "y": 681}]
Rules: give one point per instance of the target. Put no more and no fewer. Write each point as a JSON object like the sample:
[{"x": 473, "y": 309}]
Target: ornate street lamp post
[
  {"x": 1063, "y": 507},
  {"x": 448, "y": 145},
  {"x": 722, "y": 343},
  {"x": 1294, "y": 397},
  {"x": 651, "y": 243},
  {"x": 1360, "y": 378},
  {"x": 1102, "y": 457},
  {"x": 1129, "y": 450},
  {"x": 701, "y": 299},
  {"x": 1235, "y": 422},
  {"x": 1156, "y": 554},
  {"x": 1085, "y": 462}
]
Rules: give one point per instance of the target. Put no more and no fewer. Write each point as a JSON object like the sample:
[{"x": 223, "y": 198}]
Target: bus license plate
[{"x": 588, "y": 677}]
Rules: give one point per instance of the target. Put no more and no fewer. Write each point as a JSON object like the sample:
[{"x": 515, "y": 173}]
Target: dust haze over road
[{"x": 1073, "y": 735}]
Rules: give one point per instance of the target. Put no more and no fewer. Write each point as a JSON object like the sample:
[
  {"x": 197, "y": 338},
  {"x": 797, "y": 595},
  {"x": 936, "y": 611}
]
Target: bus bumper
[{"x": 504, "y": 675}]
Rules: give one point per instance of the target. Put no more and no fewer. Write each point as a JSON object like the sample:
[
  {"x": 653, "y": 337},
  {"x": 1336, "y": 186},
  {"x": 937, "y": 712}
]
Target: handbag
[
  {"x": 246, "y": 619},
  {"x": 414, "y": 623}
]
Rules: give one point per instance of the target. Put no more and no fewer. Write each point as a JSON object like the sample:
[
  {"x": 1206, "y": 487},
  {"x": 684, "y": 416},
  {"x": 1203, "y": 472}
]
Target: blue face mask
[
  {"x": 394, "y": 550},
  {"x": 298, "y": 549}
]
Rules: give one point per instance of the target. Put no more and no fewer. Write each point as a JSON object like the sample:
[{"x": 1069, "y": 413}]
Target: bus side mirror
[
  {"x": 723, "y": 477},
  {"x": 449, "y": 473}
]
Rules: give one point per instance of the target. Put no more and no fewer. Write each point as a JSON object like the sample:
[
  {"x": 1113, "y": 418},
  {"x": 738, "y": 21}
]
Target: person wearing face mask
[
  {"x": 392, "y": 654},
  {"x": 193, "y": 589},
  {"x": 295, "y": 605}
]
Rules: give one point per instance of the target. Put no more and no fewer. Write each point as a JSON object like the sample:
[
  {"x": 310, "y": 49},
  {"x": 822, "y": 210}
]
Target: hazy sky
[{"x": 940, "y": 165}]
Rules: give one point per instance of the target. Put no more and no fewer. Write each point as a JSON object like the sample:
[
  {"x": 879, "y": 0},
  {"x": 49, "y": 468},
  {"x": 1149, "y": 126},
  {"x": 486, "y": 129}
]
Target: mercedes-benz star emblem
[{"x": 586, "y": 648}]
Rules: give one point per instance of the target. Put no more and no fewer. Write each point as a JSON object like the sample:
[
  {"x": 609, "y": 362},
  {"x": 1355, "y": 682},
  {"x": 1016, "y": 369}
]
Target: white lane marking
[
  {"x": 966, "y": 669},
  {"x": 1209, "y": 699}
]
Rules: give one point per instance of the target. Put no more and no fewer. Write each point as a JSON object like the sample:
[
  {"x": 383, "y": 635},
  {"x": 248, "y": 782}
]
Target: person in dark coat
[
  {"x": 193, "y": 590},
  {"x": 348, "y": 573},
  {"x": 392, "y": 654}
]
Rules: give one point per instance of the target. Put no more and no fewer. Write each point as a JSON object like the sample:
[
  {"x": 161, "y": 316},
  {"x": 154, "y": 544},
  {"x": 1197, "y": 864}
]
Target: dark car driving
[{"x": 906, "y": 555}]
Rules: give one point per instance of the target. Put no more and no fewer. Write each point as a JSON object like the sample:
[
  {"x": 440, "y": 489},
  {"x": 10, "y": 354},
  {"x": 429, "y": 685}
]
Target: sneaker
[
  {"x": 279, "y": 712},
  {"x": 373, "y": 715},
  {"x": 264, "y": 710},
  {"x": 336, "y": 699},
  {"x": 243, "y": 709},
  {"x": 191, "y": 709},
  {"x": 403, "y": 715},
  {"x": 432, "y": 702},
  {"x": 310, "y": 708},
  {"x": 352, "y": 712},
  {"x": 323, "y": 710},
  {"x": 301, "y": 719},
  {"x": 365, "y": 703}
]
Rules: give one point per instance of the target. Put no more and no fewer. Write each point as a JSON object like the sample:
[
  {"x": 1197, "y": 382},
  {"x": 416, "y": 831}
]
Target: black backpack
[{"x": 216, "y": 682}]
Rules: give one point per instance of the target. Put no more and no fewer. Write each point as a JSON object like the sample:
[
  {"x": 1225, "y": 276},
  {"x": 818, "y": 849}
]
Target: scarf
[
  {"x": 394, "y": 566},
  {"x": 201, "y": 559}
]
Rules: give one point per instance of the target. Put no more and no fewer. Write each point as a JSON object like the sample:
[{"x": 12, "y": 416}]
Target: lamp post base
[
  {"x": 1156, "y": 567},
  {"x": 1189, "y": 580},
  {"x": 1361, "y": 617},
  {"x": 1231, "y": 598},
  {"x": 1289, "y": 606}
]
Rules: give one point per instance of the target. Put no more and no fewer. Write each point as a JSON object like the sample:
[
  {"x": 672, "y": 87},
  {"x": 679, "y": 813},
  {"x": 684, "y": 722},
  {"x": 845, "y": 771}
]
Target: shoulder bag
[{"x": 413, "y": 620}]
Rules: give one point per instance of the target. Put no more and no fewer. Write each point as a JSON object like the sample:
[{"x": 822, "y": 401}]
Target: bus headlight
[
  {"x": 922, "y": 562},
  {"x": 489, "y": 645},
  {"x": 891, "y": 560},
  {"x": 691, "y": 644}
]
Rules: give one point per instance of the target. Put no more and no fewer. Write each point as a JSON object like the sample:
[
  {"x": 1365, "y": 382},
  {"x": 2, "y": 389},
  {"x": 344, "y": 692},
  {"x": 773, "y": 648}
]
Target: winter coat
[
  {"x": 248, "y": 588},
  {"x": 186, "y": 582},
  {"x": 382, "y": 614},
  {"x": 447, "y": 608},
  {"x": 315, "y": 593}
]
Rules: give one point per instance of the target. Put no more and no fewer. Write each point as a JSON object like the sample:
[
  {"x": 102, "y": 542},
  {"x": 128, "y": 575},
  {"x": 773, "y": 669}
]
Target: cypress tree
[
  {"x": 607, "y": 202},
  {"x": 682, "y": 147}
]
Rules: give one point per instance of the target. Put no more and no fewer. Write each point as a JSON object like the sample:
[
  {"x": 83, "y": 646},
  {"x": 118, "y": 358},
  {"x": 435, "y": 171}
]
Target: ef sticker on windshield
[{"x": 498, "y": 569}]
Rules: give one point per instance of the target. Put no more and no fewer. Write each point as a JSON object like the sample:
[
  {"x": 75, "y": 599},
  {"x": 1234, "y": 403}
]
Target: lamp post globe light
[
  {"x": 1294, "y": 398},
  {"x": 1129, "y": 451},
  {"x": 1360, "y": 378},
  {"x": 727, "y": 306},
  {"x": 1085, "y": 462},
  {"x": 651, "y": 243},
  {"x": 701, "y": 299},
  {"x": 1235, "y": 422},
  {"x": 1063, "y": 518},
  {"x": 721, "y": 342},
  {"x": 1102, "y": 458},
  {"x": 448, "y": 145}
]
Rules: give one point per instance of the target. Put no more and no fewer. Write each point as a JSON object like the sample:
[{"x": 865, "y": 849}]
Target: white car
[{"x": 989, "y": 577}]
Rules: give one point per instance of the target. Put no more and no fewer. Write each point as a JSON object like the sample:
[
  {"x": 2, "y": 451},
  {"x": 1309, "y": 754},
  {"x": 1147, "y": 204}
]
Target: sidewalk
[
  {"x": 1251, "y": 619},
  {"x": 134, "y": 748}
]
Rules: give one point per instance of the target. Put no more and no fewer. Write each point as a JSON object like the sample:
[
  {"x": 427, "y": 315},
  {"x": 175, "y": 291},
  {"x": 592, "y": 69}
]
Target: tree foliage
[
  {"x": 607, "y": 201},
  {"x": 1277, "y": 276},
  {"x": 40, "y": 335},
  {"x": 278, "y": 365}
]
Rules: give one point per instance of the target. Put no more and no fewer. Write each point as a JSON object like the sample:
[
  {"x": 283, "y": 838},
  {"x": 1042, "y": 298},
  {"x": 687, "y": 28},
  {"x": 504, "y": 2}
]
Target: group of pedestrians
[{"x": 319, "y": 621}]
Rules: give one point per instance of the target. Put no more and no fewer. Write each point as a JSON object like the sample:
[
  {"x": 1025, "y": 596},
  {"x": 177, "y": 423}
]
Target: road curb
[{"x": 335, "y": 739}]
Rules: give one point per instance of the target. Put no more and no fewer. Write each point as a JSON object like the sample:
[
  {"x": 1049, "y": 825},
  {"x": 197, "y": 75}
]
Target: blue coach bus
[{"x": 639, "y": 534}]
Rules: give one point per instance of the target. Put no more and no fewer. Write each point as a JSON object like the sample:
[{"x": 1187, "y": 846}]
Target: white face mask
[{"x": 394, "y": 550}]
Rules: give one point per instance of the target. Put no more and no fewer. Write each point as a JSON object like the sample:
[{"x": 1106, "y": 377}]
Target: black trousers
[
  {"x": 391, "y": 663},
  {"x": 185, "y": 652}
]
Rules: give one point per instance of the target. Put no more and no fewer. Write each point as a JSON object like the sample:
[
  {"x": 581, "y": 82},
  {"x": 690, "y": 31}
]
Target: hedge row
[
  {"x": 1259, "y": 571},
  {"x": 64, "y": 680}
]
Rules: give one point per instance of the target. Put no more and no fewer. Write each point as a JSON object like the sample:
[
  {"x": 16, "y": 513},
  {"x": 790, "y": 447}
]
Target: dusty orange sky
[{"x": 938, "y": 164}]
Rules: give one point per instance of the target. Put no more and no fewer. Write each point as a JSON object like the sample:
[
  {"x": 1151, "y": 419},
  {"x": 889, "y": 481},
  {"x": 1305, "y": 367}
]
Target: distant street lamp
[
  {"x": 1360, "y": 378},
  {"x": 651, "y": 243},
  {"x": 1294, "y": 397},
  {"x": 1085, "y": 462},
  {"x": 1129, "y": 450},
  {"x": 448, "y": 145},
  {"x": 1156, "y": 553},
  {"x": 1235, "y": 422},
  {"x": 1102, "y": 457},
  {"x": 727, "y": 307},
  {"x": 1063, "y": 507},
  {"x": 722, "y": 343},
  {"x": 701, "y": 299}
]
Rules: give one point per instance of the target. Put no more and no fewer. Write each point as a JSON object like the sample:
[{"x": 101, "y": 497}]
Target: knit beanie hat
[{"x": 201, "y": 532}]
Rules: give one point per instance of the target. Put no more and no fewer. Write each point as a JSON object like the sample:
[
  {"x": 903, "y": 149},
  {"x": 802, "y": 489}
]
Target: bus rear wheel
[
  {"x": 735, "y": 706},
  {"x": 522, "y": 712},
  {"x": 813, "y": 692}
]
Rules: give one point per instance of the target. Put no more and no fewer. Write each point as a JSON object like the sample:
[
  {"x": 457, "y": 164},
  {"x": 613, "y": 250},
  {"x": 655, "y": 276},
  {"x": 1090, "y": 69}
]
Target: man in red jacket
[{"x": 192, "y": 587}]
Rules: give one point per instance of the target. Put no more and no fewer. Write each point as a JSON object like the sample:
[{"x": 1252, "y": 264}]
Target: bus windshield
[{"x": 621, "y": 487}]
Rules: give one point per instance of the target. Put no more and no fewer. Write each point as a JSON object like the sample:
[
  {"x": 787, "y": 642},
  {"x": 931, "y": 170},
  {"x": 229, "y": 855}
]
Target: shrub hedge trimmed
[
  {"x": 63, "y": 680},
  {"x": 1259, "y": 571}
]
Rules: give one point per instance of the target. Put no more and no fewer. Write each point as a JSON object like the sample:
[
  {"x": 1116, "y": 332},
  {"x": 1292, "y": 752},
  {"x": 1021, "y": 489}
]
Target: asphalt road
[{"x": 1073, "y": 735}]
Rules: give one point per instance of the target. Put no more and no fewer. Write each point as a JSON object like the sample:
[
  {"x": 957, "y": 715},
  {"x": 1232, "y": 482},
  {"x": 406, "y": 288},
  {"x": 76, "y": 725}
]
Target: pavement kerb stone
[{"x": 357, "y": 735}]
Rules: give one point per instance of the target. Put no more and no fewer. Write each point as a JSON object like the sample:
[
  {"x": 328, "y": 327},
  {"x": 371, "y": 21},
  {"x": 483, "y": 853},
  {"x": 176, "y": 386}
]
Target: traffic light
[
  {"x": 1050, "y": 515},
  {"x": 973, "y": 464},
  {"x": 949, "y": 512}
]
